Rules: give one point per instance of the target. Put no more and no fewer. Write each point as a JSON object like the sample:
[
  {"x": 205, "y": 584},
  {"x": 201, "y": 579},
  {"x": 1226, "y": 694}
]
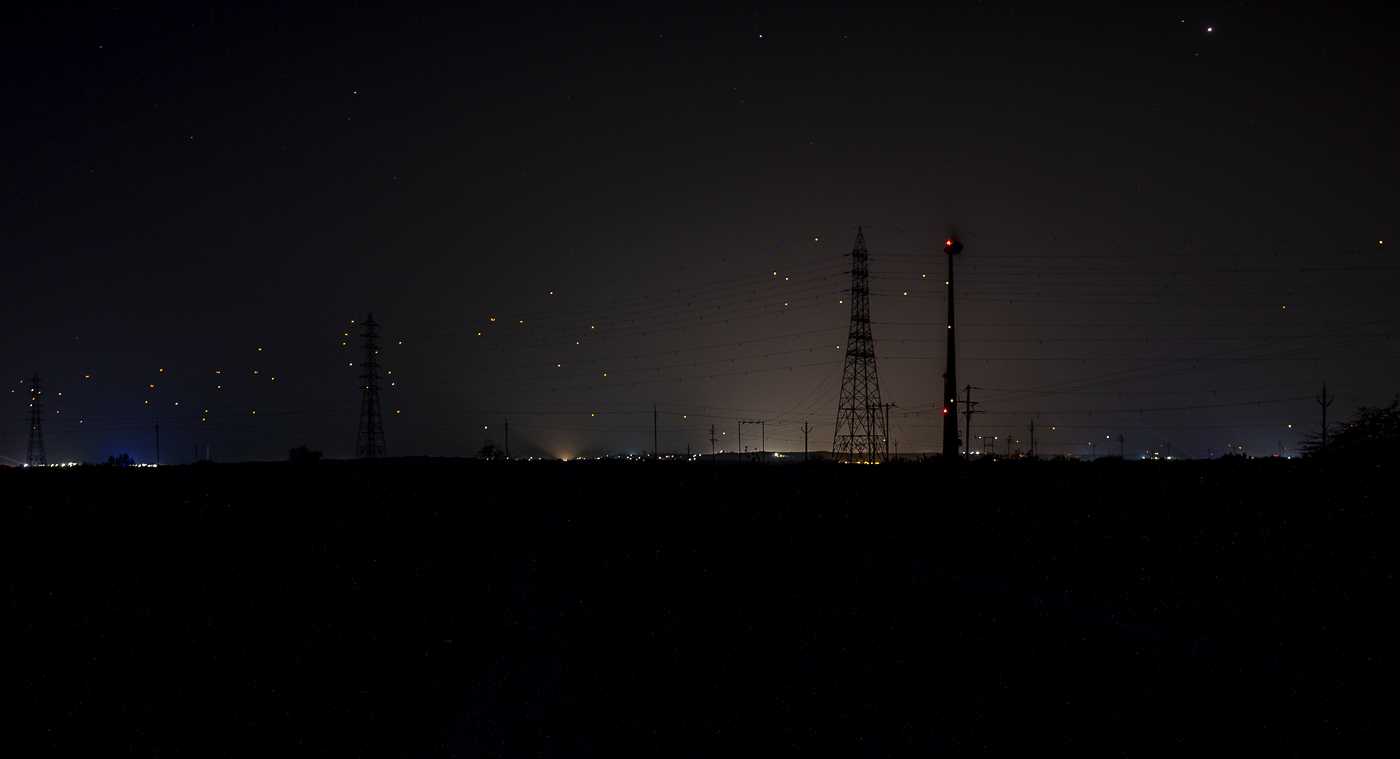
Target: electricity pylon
[
  {"x": 36, "y": 426},
  {"x": 860, "y": 423},
  {"x": 369, "y": 444}
]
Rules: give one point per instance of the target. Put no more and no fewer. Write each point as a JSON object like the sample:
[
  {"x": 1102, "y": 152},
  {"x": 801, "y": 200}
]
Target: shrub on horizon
[
  {"x": 490, "y": 451},
  {"x": 303, "y": 456},
  {"x": 1372, "y": 432}
]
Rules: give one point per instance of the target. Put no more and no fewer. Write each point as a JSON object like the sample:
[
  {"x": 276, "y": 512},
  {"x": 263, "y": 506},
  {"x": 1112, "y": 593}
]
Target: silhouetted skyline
[{"x": 562, "y": 215}]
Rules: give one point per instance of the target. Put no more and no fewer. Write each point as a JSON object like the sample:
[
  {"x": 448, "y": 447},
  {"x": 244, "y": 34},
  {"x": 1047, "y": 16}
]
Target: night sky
[{"x": 563, "y": 214}]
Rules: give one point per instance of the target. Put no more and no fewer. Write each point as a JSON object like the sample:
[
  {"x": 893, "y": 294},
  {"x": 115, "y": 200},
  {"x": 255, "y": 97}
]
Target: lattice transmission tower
[
  {"x": 861, "y": 435},
  {"x": 36, "y": 455},
  {"x": 370, "y": 442}
]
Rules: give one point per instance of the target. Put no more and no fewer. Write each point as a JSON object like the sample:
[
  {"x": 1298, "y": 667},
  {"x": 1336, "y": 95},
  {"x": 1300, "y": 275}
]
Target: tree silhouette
[
  {"x": 1371, "y": 432},
  {"x": 123, "y": 460},
  {"x": 303, "y": 456},
  {"x": 490, "y": 451}
]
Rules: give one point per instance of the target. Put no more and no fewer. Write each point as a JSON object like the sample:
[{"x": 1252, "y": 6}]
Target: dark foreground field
[{"x": 581, "y": 609}]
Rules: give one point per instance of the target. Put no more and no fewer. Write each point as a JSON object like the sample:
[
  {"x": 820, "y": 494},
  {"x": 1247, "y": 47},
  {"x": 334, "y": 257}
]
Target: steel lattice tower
[
  {"x": 36, "y": 455},
  {"x": 370, "y": 442},
  {"x": 860, "y": 423}
]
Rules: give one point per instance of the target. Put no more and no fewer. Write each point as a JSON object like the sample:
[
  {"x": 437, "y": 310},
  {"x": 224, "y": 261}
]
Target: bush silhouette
[
  {"x": 490, "y": 451},
  {"x": 303, "y": 456},
  {"x": 1371, "y": 432}
]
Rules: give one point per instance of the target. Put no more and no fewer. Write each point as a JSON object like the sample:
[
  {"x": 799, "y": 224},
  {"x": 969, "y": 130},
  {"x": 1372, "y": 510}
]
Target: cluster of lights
[{"x": 74, "y": 463}]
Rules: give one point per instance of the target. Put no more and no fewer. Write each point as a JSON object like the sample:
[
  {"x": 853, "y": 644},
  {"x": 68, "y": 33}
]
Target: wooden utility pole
[
  {"x": 806, "y": 428},
  {"x": 970, "y": 404},
  {"x": 1324, "y": 402},
  {"x": 761, "y": 437},
  {"x": 885, "y": 443}
]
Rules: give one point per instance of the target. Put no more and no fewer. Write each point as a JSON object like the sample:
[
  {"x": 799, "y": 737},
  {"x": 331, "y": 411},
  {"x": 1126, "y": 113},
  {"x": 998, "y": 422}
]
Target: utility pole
[
  {"x": 507, "y": 426},
  {"x": 654, "y": 447},
  {"x": 712, "y": 444},
  {"x": 806, "y": 428},
  {"x": 369, "y": 444},
  {"x": 36, "y": 455},
  {"x": 1322, "y": 400},
  {"x": 759, "y": 422},
  {"x": 885, "y": 442},
  {"x": 887, "y": 430},
  {"x": 968, "y": 413},
  {"x": 1032, "y": 428},
  {"x": 951, "y": 441},
  {"x": 1120, "y": 445},
  {"x": 858, "y": 433}
]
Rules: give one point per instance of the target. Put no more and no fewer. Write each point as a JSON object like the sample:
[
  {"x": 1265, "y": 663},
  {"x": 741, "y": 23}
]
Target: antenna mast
[{"x": 951, "y": 440}]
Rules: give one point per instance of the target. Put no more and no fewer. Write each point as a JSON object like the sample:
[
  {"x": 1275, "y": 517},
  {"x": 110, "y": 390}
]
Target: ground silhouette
[{"x": 447, "y": 608}]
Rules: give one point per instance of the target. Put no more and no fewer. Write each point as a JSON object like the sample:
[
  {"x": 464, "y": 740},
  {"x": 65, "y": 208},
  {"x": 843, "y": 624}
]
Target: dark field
[{"x": 467, "y": 608}]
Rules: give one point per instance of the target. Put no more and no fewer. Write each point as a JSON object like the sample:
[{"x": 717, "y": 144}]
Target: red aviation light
[{"x": 952, "y": 247}]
